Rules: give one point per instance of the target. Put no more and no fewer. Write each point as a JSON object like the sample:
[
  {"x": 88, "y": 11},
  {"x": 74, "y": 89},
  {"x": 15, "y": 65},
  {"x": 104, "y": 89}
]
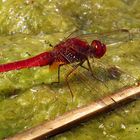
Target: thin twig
[{"x": 78, "y": 115}]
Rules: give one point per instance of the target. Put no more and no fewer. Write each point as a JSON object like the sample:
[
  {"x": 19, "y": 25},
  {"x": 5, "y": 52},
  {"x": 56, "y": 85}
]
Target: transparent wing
[
  {"x": 109, "y": 38},
  {"x": 107, "y": 77}
]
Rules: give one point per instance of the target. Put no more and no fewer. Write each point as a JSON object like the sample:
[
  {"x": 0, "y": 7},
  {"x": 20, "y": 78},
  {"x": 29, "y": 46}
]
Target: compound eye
[
  {"x": 95, "y": 44},
  {"x": 99, "y": 48}
]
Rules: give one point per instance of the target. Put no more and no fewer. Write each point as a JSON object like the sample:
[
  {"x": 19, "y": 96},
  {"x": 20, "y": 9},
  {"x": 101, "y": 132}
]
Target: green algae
[
  {"x": 33, "y": 17},
  {"x": 27, "y": 96}
]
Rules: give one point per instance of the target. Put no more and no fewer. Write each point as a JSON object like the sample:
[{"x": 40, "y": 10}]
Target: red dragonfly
[
  {"x": 66, "y": 52},
  {"x": 69, "y": 51}
]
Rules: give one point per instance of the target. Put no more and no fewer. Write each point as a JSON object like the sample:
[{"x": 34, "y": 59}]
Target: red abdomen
[{"x": 39, "y": 60}]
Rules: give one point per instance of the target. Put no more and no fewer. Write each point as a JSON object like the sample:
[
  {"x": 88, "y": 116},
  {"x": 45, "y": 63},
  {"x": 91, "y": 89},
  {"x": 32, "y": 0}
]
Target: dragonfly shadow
[{"x": 83, "y": 80}]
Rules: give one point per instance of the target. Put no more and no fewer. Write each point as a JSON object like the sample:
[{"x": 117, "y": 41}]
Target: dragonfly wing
[{"x": 108, "y": 38}]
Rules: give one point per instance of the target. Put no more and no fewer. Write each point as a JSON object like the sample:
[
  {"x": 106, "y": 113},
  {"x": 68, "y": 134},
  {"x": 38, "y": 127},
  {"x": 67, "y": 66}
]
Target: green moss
[
  {"x": 27, "y": 96},
  {"x": 33, "y": 17}
]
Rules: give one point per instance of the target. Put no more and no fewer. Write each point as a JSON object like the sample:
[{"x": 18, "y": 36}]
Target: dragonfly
[{"x": 70, "y": 50}]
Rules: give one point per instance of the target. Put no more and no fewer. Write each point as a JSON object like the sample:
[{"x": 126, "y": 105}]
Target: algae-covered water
[{"x": 27, "y": 97}]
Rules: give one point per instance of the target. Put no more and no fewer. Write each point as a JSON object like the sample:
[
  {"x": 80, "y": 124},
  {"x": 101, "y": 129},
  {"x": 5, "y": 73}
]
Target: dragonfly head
[{"x": 98, "y": 49}]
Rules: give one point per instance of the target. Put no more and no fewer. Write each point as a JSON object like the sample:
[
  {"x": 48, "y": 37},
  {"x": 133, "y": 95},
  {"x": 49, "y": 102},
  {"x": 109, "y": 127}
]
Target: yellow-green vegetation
[{"x": 27, "y": 97}]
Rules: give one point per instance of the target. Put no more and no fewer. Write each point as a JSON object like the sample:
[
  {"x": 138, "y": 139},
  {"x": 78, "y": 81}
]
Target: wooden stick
[{"x": 73, "y": 117}]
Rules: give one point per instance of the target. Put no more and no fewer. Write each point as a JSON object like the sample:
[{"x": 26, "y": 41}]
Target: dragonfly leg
[
  {"x": 90, "y": 69},
  {"x": 58, "y": 75},
  {"x": 67, "y": 76},
  {"x": 89, "y": 66},
  {"x": 84, "y": 67}
]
